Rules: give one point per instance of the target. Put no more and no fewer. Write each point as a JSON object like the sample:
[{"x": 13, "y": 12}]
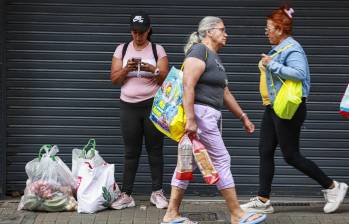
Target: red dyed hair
[{"x": 282, "y": 19}]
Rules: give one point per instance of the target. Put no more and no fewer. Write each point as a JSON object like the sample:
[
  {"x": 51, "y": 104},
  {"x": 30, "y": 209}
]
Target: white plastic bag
[
  {"x": 96, "y": 187},
  {"x": 87, "y": 154},
  {"x": 50, "y": 183}
]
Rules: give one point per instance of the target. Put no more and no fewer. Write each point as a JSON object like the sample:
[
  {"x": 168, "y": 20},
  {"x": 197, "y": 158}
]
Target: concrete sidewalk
[{"x": 203, "y": 210}]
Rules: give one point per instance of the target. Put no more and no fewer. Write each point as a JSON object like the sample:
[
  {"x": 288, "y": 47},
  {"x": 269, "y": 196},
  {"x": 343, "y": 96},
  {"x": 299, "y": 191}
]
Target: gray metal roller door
[
  {"x": 58, "y": 61},
  {"x": 2, "y": 100}
]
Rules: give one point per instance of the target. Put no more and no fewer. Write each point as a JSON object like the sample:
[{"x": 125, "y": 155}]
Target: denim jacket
[{"x": 291, "y": 64}]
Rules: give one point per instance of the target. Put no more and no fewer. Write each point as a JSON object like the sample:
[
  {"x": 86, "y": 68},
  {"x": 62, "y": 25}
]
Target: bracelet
[
  {"x": 242, "y": 116},
  {"x": 156, "y": 72}
]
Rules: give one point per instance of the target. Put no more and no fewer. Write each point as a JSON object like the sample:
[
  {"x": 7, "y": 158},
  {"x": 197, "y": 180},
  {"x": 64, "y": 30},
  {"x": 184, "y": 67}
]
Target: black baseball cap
[{"x": 139, "y": 21}]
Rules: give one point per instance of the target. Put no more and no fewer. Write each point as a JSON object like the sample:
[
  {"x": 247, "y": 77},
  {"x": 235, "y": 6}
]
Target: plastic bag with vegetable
[{"x": 50, "y": 183}]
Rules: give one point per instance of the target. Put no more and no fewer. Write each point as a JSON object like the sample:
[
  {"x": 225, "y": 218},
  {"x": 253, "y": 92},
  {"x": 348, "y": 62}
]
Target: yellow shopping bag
[
  {"x": 167, "y": 113},
  {"x": 288, "y": 99}
]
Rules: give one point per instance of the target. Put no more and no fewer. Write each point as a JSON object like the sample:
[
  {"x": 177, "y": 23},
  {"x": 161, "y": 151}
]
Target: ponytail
[{"x": 194, "y": 38}]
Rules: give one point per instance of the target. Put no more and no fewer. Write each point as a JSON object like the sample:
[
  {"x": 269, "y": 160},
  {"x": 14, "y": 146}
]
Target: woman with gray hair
[{"x": 205, "y": 92}]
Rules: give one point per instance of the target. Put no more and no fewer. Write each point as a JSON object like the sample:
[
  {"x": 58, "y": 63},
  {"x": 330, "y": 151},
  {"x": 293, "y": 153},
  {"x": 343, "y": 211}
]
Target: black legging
[
  {"x": 286, "y": 133},
  {"x": 135, "y": 124}
]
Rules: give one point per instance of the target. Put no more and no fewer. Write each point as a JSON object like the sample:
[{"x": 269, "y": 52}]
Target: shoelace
[
  {"x": 161, "y": 195},
  {"x": 254, "y": 201},
  {"x": 331, "y": 196},
  {"x": 123, "y": 196}
]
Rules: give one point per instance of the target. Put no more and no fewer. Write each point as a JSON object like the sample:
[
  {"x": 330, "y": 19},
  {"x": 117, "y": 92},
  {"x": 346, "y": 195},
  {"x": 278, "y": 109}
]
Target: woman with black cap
[{"x": 139, "y": 67}]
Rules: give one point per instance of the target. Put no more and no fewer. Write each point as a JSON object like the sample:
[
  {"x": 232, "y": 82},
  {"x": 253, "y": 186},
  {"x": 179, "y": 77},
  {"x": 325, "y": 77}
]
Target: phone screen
[{"x": 137, "y": 60}]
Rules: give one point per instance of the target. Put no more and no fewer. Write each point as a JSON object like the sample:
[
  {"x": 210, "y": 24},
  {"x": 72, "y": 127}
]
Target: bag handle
[
  {"x": 273, "y": 55},
  {"x": 91, "y": 142},
  {"x": 45, "y": 148},
  {"x": 281, "y": 50}
]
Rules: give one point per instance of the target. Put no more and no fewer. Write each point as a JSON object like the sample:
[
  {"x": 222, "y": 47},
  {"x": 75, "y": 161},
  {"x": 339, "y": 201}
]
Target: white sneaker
[
  {"x": 257, "y": 206},
  {"x": 158, "y": 199},
  {"x": 123, "y": 201},
  {"x": 335, "y": 196}
]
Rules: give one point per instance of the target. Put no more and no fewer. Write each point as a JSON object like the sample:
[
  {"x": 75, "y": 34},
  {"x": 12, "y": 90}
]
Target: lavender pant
[{"x": 207, "y": 120}]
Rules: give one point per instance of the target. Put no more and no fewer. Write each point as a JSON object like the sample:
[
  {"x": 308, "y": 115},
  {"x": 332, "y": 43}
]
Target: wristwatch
[{"x": 157, "y": 71}]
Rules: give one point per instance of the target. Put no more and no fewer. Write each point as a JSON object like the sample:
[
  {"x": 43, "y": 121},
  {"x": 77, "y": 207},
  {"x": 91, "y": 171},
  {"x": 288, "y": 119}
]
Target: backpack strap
[
  {"x": 155, "y": 52},
  {"x": 124, "y": 49}
]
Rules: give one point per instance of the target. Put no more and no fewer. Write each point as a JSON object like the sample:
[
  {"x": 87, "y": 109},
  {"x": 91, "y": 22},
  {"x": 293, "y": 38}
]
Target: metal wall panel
[
  {"x": 59, "y": 92},
  {"x": 2, "y": 103}
]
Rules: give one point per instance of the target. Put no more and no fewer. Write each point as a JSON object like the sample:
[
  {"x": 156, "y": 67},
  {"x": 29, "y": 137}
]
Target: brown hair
[{"x": 282, "y": 17}]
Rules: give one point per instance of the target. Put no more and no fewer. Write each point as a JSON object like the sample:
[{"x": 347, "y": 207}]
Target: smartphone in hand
[{"x": 137, "y": 60}]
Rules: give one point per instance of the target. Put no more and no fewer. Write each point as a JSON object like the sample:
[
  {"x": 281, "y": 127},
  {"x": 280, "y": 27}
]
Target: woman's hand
[
  {"x": 191, "y": 127},
  {"x": 248, "y": 125},
  {"x": 266, "y": 59},
  {"x": 148, "y": 67},
  {"x": 131, "y": 65},
  {"x": 118, "y": 72},
  {"x": 151, "y": 68}
]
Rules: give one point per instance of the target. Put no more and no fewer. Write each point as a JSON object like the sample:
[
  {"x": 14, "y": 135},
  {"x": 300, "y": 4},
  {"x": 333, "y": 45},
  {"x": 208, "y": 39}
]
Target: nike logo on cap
[{"x": 138, "y": 18}]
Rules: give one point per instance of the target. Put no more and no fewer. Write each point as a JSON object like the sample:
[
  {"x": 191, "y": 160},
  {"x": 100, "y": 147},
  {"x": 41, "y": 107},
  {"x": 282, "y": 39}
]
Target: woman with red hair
[{"x": 286, "y": 61}]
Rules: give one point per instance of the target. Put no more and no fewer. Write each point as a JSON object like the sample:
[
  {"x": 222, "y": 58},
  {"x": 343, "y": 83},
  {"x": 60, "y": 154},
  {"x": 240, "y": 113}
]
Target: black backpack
[{"x": 153, "y": 46}]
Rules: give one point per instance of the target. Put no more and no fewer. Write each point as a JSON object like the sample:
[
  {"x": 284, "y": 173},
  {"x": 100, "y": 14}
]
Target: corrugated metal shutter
[
  {"x": 58, "y": 61},
  {"x": 2, "y": 103}
]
